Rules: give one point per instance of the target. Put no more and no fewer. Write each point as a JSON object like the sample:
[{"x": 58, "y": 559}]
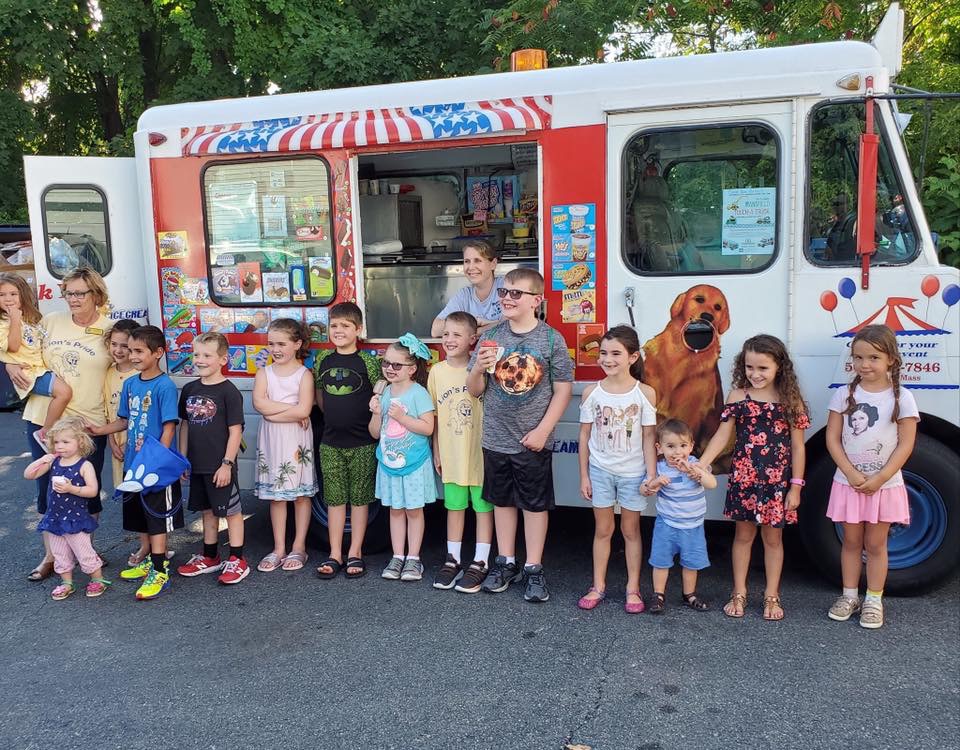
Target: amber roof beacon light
[{"x": 528, "y": 59}]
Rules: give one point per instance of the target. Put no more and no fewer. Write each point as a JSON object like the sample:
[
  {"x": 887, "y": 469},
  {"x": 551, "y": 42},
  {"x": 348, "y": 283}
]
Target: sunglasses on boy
[
  {"x": 503, "y": 292},
  {"x": 396, "y": 366}
]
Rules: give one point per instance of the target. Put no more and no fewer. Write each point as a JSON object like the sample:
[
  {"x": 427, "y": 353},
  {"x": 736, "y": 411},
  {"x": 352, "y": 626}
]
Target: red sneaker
[
  {"x": 234, "y": 570},
  {"x": 198, "y": 564}
]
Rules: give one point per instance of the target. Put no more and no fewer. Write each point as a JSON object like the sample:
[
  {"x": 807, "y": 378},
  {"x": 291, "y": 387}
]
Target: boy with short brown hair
[{"x": 524, "y": 373}]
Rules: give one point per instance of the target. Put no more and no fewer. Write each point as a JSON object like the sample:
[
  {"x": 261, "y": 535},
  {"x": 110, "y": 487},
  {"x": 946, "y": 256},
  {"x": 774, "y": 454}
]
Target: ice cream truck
[{"x": 702, "y": 199}]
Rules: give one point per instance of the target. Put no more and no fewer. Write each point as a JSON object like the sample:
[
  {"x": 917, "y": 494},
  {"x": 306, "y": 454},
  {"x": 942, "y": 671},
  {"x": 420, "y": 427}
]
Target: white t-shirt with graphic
[
  {"x": 616, "y": 439},
  {"x": 869, "y": 438}
]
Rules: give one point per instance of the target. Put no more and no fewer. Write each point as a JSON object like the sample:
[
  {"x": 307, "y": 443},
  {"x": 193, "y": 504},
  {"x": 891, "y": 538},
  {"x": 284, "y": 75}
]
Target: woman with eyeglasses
[
  {"x": 480, "y": 297},
  {"x": 73, "y": 350}
]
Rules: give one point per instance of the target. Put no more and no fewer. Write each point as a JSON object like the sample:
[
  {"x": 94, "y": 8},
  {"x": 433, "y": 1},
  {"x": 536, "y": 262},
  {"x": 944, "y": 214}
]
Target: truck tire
[
  {"x": 375, "y": 540},
  {"x": 922, "y": 554}
]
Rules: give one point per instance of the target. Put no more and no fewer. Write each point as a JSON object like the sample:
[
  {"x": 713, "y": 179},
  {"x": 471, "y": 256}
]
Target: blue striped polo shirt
[{"x": 681, "y": 504}]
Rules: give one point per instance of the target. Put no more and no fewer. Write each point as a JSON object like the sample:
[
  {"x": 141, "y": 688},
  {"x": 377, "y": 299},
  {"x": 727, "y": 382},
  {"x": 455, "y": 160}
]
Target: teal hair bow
[{"x": 415, "y": 345}]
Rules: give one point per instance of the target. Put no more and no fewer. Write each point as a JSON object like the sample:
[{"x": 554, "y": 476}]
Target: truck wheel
[
  {"x": 921, "y": 554},
  {"x": 377, "y": 537}
]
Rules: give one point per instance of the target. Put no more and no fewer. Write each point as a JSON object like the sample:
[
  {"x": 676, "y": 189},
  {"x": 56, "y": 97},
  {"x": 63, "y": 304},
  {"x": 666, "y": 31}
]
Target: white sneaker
[
  {"x": 844, "y": 608},
  {"x": 871, "y": 614}
]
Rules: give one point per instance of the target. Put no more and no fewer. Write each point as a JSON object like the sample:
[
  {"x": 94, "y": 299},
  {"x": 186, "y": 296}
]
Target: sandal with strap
[
  {"x": 42, "y": 572},
  {"x": 63, "y": 590},
  {"x": 334, "y": 566},
  {"x": 771, "y": 604},
  {"x": 294, "y": 561},
  {"x": 657, "y": 604},
  {"x": 695, "y": 602},
  {"x": 357, "y": 565},
  {"x": 97, "y": 586},
  {"x": 736, "y": 606},
  {"x": 587, "y": 602}
]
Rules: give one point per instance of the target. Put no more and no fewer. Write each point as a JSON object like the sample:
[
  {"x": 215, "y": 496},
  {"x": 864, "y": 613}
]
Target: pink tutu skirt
[{"x": 883, "y": 506}]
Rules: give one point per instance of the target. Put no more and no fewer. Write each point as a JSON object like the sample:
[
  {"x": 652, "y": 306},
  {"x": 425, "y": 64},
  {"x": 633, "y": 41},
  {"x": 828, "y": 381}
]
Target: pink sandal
[
  {"x": 588, "y": 603},
  {"x": 634, "y": 608},
  {"x": 63, "y": 590}
]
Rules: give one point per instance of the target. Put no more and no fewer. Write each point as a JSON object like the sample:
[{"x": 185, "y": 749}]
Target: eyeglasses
[
  {"x": 77, "y": 295},
  {"x": 514, "y": 293},
  {"x": 396, "y": 366}
]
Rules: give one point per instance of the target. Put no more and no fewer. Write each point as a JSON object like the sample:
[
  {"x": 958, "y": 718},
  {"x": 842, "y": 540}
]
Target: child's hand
[
  {"x": 14, "y": 313},
  {"x": 185, "y": 477},
  {"x": 586, "y": 489},
  {"x": 304, "y": 424},
  {"x": 695, "y": 472},
  {"x": 222, "y": 476},
  {"x": 534, "y": 440},
  {"x": 375, "y": 407},
  {"x": 793, "y": 497},
  {"x": 487, "y": 357},
  {"x": 856, "y": 478},
  {"x": 869, "y": 485},
  {"x": 396, "y": 411},
  {"x": 436, "y": 462}
]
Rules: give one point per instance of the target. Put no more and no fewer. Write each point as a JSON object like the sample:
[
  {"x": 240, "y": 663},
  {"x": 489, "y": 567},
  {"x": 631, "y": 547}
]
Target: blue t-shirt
[
  {"x": 401, "y": 451},
  {"x": 466, "y": 300},
  {"x": 146, "y": 405},
  {"x": 682, "y": 503}
]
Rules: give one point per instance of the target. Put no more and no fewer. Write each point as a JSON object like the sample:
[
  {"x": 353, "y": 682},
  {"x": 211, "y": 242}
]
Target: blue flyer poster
[{"x": 573, "y": 239}]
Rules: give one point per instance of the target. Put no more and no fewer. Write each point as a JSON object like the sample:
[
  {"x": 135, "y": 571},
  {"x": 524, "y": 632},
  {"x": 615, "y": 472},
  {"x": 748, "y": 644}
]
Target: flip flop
[
  {"x": 269, "y": 563},
  {"x": 356, "y": 562},
  {"x": 41, "y": 573},
  {"x": 294, "y": 561},
  {"x": 334, "y": 566}
]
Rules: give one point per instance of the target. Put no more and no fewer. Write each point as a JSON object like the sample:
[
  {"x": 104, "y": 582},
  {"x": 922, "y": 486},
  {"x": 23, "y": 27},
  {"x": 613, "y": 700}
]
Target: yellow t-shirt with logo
[
  {"x": 459, "y": 425},
  {"x": 29, "y": 355},
  {"x": 79, "y": 356},
  {"x": 112, "y": 385}
]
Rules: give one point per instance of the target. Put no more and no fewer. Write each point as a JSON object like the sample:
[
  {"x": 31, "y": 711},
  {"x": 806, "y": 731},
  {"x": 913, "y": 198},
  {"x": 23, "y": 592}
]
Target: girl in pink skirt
[{"x": 870, "y": 434}]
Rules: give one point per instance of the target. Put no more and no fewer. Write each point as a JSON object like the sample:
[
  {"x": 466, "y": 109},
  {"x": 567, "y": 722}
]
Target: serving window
[
  {"x": 701, "y": 200},
  {"x": 76, "y": 229},
  {"x": 269, "y": 232}
]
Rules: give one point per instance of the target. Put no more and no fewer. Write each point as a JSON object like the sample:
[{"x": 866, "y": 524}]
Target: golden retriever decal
[{"x": 680, "y": 362}]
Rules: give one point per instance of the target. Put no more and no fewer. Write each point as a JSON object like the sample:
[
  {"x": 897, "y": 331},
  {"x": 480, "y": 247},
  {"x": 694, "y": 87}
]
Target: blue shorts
[
  {"x": 668, "y": 542},
  {"x": 611, "y": 488},
  {"x": 43, "y": 386}
]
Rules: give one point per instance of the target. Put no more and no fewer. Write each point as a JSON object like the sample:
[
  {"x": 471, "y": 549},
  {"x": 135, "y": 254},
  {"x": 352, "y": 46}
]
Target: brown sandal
[
  {"x": 737, "y": 602},
  {"x": 770, "y": 605},
  {"x": 42, "y": 572}
]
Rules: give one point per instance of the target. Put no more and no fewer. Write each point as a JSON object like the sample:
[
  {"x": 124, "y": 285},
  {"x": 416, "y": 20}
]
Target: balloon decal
[
  {"x": 929, "y": 286},
  {"x": 847, "y": 288},
  {"x": 950, "y": 297},
  {"x": 828, "y": 301}
]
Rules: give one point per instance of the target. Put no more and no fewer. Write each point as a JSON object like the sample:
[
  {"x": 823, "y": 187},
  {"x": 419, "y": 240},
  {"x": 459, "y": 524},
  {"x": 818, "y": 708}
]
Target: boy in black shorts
[
  {"x": 524, "y": 373},
  {"x": 148, "y": 406},
  {"x": 211, "y": 410}
]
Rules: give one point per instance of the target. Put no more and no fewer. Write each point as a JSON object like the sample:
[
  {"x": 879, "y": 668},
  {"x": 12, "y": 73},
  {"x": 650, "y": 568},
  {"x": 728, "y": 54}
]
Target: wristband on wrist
[{"x": 798, "y": 482}]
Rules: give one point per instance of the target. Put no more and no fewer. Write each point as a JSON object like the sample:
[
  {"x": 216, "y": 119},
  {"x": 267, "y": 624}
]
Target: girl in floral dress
[
  {"x": 769, "y": 415},
  {"x": 283, "y": 395}
]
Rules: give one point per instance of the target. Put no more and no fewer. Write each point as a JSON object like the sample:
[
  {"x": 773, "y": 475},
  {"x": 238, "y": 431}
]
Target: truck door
[
  {"x": 699, "y": 220},
  {"x": 85, "y": 210}
]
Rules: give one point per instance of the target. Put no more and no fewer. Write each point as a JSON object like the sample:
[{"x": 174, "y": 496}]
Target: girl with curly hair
[{"x": 768, "y": 414}]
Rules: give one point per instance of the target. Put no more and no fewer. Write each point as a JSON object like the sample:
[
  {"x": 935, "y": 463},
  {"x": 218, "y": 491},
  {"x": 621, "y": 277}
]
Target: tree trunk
[{"x": 107, "y": 98}]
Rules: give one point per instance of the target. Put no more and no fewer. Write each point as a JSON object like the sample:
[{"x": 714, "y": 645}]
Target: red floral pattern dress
[{"x": 762, "y": 463}]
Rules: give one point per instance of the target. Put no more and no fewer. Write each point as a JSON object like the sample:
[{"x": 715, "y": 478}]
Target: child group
[{"x": 483, "y": 419}]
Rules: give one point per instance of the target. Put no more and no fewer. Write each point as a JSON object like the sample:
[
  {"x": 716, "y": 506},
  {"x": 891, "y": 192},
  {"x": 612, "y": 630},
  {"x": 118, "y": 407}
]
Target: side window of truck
[
  {"x": 701, "y": 200},
  {"x": 76, "y": 229},
  {"x": 832, "y": 193},
  {"x": 269, "y": 233}
]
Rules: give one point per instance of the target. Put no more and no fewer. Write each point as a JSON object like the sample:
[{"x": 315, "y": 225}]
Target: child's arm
[
  {"x": 15, "y": 334},
  {"x": 906, "y": 436},
  {"x": 721, "y": 438},
  {"x": 299, "y": 411},
  {"x": 92, "y": 488},
  {"x": 477, "y": 376},
  {"x": 182, "y": 442},
  {"x": 700, "y": 474},
  {"x": 223, "y": 476},
  {"x": 39, "y": 467},
  {"x": 835, "y": 448},
  {"x": 583, "y": 456},
  {"x": 376, "y": 417},
  {"x": 798, "y": 457},
  {"x": 422, "y": 425},
  {"x": 169, "y": 431},
  {"x": 117, "y": 425},
  {"x": 649, "y": 433},
  {"x": 264, "y": 406},
  {"x": 318, "y": 398},
  {"x": 537, "y": 437}
]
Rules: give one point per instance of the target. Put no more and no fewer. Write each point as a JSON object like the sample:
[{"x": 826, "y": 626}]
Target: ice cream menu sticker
[
  {"x": 573, "y": 244},
  {"x": 749, "y": 221}
]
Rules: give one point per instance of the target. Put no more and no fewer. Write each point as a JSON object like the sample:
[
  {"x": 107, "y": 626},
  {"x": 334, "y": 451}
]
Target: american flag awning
[{"x": 371, "y": 126}]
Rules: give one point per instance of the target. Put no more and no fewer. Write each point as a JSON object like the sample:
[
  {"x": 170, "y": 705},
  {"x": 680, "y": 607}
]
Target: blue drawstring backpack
[{"x": 153, "y": 467}]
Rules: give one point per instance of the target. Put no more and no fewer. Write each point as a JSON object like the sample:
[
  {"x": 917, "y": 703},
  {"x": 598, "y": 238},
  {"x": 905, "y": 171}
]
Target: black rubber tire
[
  {"x": 933, "y": 461},
  {"x": 376, "y": 539}
]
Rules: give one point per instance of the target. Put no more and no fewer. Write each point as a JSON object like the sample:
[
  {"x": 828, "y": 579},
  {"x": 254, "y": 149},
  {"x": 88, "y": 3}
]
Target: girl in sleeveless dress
[{"x": 283, "y": 395}]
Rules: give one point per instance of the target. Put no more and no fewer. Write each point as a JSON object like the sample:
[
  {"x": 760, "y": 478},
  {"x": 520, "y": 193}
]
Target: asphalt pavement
[{"x": 284, "y": 660}]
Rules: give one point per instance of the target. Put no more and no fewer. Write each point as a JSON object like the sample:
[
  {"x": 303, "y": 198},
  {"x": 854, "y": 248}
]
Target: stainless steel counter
[{"x": 407, "y": 297}]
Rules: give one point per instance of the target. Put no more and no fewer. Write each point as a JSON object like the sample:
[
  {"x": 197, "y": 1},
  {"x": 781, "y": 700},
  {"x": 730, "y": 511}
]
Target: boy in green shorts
[
  {"x": 458, "y": 456},
  {"x": 344, "y": 379}
]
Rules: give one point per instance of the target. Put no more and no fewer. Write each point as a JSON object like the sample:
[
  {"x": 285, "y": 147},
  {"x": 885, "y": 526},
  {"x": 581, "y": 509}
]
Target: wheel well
[{"x": 932, "y": 426}]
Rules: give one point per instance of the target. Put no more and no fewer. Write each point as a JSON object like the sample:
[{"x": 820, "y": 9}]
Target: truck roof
[{"x": 581, "y": 94}]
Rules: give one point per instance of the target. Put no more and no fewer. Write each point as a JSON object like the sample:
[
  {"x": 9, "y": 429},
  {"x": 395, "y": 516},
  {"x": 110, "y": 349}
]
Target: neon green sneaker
[
  {"x": 140, "y": 570},
  {"x": 154, "y": 585}
]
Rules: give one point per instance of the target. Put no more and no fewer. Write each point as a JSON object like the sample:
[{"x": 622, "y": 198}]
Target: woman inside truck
[
  {"x": 74, "y": 349},
  {"x": 480, "y": 297}
]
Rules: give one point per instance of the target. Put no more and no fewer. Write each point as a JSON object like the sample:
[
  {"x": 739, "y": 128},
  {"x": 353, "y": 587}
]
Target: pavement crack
[{"x": 597, "y": 687}]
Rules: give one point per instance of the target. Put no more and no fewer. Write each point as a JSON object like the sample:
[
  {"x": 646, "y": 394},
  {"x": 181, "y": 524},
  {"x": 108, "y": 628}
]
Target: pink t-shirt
[{"x": 869, "y": 438}]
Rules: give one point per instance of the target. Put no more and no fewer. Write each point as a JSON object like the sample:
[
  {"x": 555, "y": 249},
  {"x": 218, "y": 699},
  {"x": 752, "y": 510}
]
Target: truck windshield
[{"x": 832, "y": 193}]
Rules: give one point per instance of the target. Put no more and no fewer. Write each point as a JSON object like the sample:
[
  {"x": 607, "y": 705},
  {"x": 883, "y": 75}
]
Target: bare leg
[
  {"x": 415, "y": 526},
  {"x": 278, "y": 519},
  {"x": 484, "y": 528},
  {"x": 689, "y": 578},
  {"x": 505, "y": 523},
  {"x": 62, "y": 393},
  {"x": 535, "y": 535},
  {"x": 398, "y": 531},
  {"x": 660, "y": 576},
  {"x": 772, "y": 558},
  {"x": 234, "y": 529},
  {"x": 633, "y": 547},
  {"x": 851, "y": 555},
  {"x": 875, "y": 542},
  {"x": 605, "y": 522},
  {"x": 211, "y": 527},
  {"x": 358, "y": 528},
  {"x": 301, "y": 519},
  {"x": 742, "y": 545},
  {"x": 455, "y": 523},
  {"x": 336, "y": 521}
]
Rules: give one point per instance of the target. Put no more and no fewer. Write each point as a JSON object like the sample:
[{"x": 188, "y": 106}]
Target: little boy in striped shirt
[{"x": 681, "y": 508}]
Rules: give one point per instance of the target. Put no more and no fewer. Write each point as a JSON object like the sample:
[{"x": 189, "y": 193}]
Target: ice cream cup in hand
[
  {"x": 60, "y": 484},
  {"x": 489, "y": 344}
]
